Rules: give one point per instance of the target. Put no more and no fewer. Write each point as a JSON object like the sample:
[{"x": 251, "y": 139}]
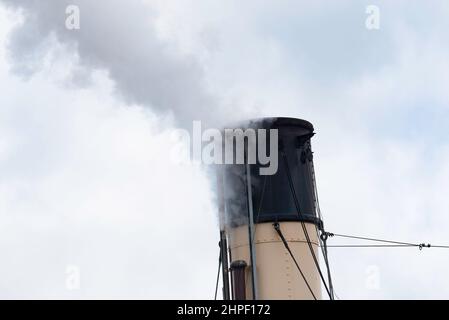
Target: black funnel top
[{"x": 273, "y": 195}]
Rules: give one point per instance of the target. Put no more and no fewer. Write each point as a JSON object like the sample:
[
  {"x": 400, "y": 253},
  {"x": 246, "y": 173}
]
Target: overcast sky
[{"x": 86, "y": 117}]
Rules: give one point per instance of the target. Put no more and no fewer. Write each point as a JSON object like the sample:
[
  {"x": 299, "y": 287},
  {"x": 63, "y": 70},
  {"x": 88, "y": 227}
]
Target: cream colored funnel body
[{"x": 277, "y": 274}]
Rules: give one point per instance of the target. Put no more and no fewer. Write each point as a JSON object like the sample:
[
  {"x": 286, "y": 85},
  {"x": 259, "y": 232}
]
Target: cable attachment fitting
[
  {"x": 423, "y": 245},
  {"x": 325, "y": 235}
]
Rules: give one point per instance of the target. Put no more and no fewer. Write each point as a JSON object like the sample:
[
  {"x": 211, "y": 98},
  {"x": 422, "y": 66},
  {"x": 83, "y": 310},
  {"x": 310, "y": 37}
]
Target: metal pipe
[
  {"x": 252, "y": 249},
  {"x": 223, "y": 241},
  {"x": 224, "y": 265},
  {"x": 238, "y": 279}
]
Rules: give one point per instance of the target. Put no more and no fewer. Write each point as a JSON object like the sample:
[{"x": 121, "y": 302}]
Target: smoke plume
[{"x": 122, "y": 40}]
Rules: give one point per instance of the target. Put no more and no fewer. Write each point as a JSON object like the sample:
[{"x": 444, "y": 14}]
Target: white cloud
[{"x": 84, "y": 183}]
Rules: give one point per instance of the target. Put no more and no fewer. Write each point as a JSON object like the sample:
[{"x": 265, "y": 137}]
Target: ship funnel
[{"x": 271, "y": 222}]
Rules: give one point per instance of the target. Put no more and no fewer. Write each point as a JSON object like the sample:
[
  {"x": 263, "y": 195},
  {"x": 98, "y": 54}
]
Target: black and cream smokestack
[{"x": 270, "y": 224}]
